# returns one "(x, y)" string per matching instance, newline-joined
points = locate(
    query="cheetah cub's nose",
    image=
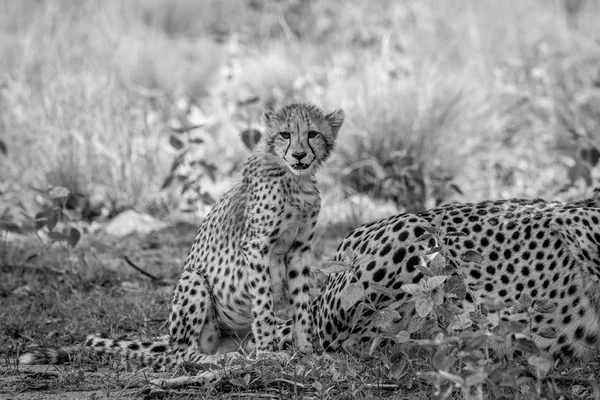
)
(299, 156)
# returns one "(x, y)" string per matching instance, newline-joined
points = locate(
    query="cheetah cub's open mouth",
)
(300, 166)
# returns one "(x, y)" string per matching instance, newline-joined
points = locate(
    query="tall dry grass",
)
(499, 97)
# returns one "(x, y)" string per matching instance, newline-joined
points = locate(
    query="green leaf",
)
(438, 263)
(526, 345)
(437, 222)
(478, 318)
(318, 386)
(167, 182)
(72, 215)
(52, 218)
(455, 285)
(58, 236)
(471, 357)
(74, 236)
(441, 360)
(352, 294)
(424, 237)
(250, 138)
(176, 143)
(456, 233)
(412, 288)
(433, 250)
(542, 363)
(40, 220)
(383, 318)
(548, 333)
(453, 378)
(515, 327)
(494, 304)
(376, 342)
(415, 324)
(435, 281)
(398, 369)
(476, 379)
(545, 306)
(461, 322)
(430, 229)
(9, 226)
(402, 337)
(425, 270)
(423, 306)
(58, 192)
(335, 267)
(437, 296)
(375, 287)
(475, 343)
(471, 256)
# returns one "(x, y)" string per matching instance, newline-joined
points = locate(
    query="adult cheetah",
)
(250, 254)
(549, 251)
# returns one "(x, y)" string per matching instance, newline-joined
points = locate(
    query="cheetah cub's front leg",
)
(259, 287)
(298, 278)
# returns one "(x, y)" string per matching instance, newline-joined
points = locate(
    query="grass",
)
(459, 101)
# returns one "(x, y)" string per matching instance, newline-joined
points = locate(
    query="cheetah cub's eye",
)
(313, 134)
(285, 135)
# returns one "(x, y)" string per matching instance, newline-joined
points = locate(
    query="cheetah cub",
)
(250, 254)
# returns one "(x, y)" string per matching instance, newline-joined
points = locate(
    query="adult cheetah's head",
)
(301, 136)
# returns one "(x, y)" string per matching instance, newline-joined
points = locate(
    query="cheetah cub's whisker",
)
(250, 254)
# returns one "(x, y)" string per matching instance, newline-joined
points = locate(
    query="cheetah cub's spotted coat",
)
(250, 253)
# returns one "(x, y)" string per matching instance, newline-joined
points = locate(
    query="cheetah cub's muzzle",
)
(302, 137)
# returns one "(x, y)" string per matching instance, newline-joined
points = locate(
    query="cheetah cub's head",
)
(301, 136)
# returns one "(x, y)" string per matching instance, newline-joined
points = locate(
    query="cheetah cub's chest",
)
(298, 214)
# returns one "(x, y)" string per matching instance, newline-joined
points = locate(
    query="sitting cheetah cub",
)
(251, 252)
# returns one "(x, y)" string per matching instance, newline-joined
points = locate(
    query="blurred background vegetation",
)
(142, 104)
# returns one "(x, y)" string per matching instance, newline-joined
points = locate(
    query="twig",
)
(384, 386)
(291, 383)
(569, 379)
(249, 395)
(200, 379)
(141, 271)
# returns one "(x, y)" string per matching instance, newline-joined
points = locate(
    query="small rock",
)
(131, 221)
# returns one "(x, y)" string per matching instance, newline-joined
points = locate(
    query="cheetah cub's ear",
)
(335, 120)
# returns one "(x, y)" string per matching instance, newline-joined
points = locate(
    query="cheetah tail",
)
(49, 355)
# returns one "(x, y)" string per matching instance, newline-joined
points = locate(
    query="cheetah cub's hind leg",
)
(193, 327)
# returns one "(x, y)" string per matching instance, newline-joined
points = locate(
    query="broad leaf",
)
(383, 318)
(471, 256)
(526, 345)
(412, 288)
(548, 333)
(335, 267)
(74, 236)
(545, 306)
(352, 294)
(58, 192)
(376, 342)
(398, 369)
(176, 143)
(423, 306)
(542, 363)
(415, 324)
(435, 281)
(402, 337)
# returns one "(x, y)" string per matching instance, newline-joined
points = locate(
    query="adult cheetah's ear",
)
(335, 120)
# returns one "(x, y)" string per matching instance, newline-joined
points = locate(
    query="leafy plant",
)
(57, 218)
(187, 169)
(462, 353)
